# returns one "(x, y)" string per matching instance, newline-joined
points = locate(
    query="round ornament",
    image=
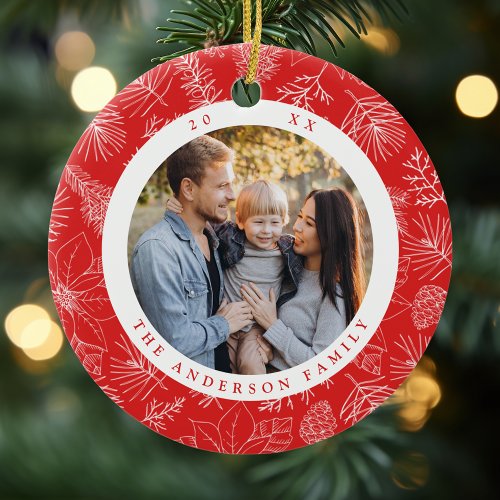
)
(133, 362)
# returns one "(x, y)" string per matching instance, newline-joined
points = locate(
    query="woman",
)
(330, 289)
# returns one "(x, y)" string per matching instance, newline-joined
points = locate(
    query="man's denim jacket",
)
(169, 276)
(232, 249)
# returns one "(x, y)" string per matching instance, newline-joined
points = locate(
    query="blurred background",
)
(61, 437)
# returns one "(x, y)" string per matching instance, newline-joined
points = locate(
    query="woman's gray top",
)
(307, 324)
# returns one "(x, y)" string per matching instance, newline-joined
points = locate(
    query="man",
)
(176, 271)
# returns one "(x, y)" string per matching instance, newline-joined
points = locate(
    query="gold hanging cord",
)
(247, 36)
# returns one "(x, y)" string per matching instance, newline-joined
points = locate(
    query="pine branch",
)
(285, 23)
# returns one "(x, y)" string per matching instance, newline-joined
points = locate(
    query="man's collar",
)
(181, 229)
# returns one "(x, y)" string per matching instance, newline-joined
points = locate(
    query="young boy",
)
(254, 250)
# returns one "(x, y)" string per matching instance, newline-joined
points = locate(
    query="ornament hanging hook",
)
(247, 36)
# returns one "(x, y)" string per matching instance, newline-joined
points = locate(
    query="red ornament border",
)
(103, 152)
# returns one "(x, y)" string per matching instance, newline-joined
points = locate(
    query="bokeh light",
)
(35, 333)
(50, 347)
(410, 471)
(74, 50)
(418, 396)
(476, 96)
(92, 88)
(18, 325)
(383, 40)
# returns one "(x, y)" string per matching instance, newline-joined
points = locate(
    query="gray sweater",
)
(307, 324)
(262, 267)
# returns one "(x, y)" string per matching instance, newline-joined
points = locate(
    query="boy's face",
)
(262, 231)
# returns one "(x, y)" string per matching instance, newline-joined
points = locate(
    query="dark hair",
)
(338, 226)
(192, 159)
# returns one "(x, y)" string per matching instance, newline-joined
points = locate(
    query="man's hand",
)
(174, 205)
(237, 314)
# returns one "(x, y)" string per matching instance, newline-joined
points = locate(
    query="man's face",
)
(212, 197)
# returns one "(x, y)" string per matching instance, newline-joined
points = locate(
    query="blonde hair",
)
(262, 198)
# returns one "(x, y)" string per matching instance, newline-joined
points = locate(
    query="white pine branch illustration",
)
(423, 179)
(127, 162)
(374, 125)
(431, 248)
(199, 83)
(110, 391)
(152, 126)
(343, 74)
(399, 200)
(215, 50)
(136, 374)
(363, 399)
(59, 217)
(94, 196)
(144, 92)
(305, 395)
(401, 368)
(205, 399)
(268, 61)
(275, 405)
(327, 383)
(104, 135)
(157, 412)
(304, 89)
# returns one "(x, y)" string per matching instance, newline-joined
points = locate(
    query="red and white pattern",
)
(318, 423)
(105, 349)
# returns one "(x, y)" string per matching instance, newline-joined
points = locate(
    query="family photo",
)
(250, 250)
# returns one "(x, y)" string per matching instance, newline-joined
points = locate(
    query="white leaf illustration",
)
(374, 125)
(136, 374)
(304, 90)
(205, 399)
(400, 201)
(198, 81)
(430, 247)
(345, 74)
(105, 135)
(144, 92)
(411, 353)
(60, 215)
(152, 126)
(157, 412)
(363, 399)
(269, 57)
(274, 405)
(94, 196)
(423, 179)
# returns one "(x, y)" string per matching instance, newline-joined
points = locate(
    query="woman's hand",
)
(174, 205)
(263, 308)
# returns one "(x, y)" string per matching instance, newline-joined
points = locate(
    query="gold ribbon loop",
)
(247, 36)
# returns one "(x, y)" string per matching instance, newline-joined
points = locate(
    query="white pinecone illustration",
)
(318, 423)
(427, 306)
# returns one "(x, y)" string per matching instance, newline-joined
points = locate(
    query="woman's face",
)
(306, 236)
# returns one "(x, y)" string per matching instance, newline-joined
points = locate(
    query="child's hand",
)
(263, 308)
(174, 205)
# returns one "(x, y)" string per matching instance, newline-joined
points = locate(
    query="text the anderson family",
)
(198, 379)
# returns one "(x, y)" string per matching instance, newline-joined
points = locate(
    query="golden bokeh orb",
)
(92, 88)
(476, 96)
(74, 50)
(27, 324)
(49, 348)
(383, 40)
